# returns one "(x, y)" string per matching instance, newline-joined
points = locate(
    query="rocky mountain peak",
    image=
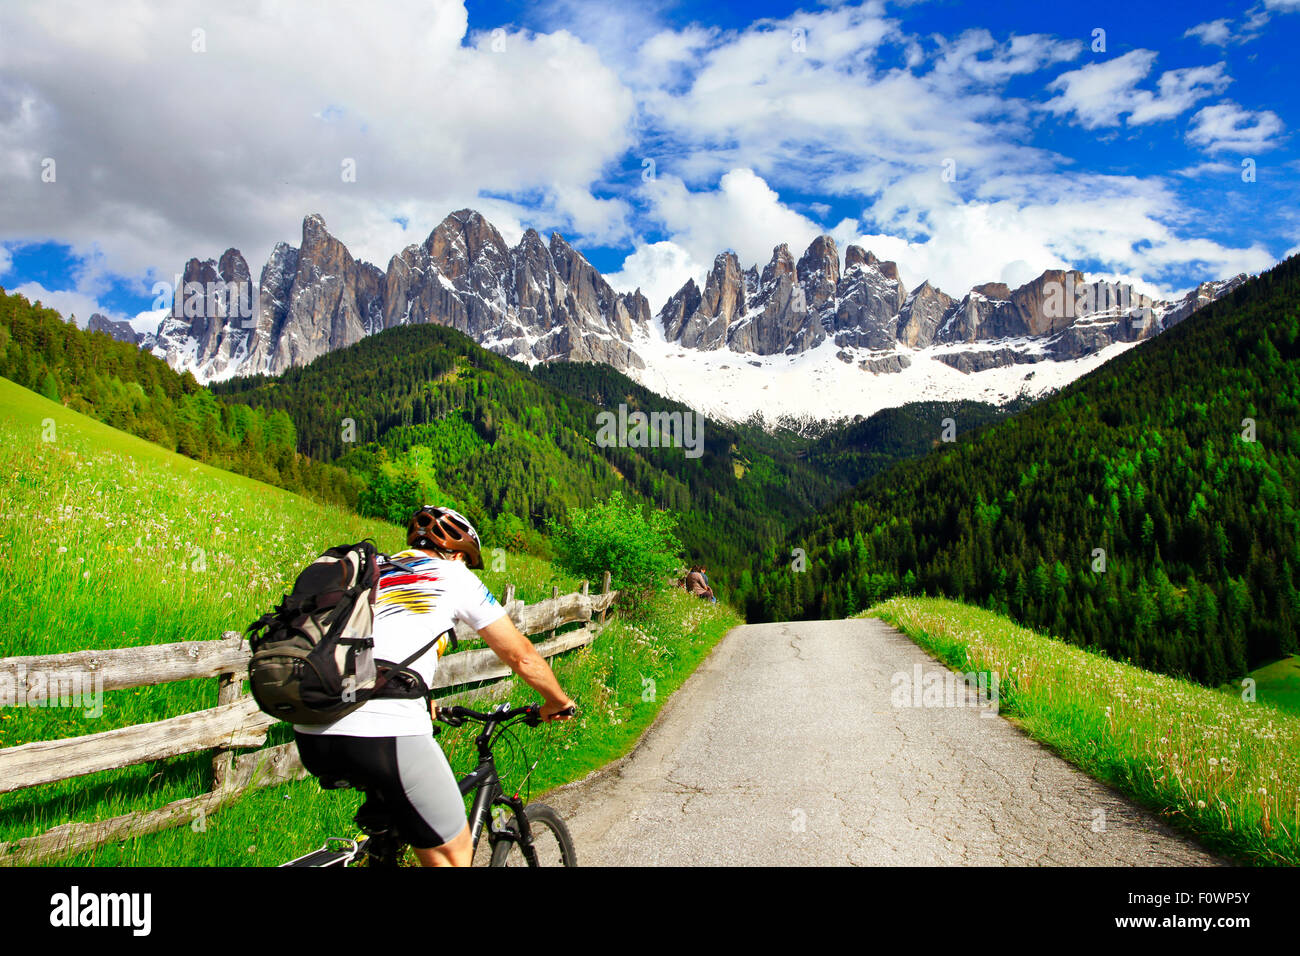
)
(820, 258)
(121, 331)
(886, 267)
(995, 290)
(569, 262)
(781, 264)
(463, 239)
(542, 300)
(314, 231)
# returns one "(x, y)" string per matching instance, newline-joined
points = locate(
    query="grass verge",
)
(1224, 770)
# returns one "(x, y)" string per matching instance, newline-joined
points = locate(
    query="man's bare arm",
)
(519, 654)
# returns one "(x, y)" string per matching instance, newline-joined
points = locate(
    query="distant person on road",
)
(704, 573)
(698, 584)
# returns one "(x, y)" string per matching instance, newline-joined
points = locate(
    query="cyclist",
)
(386, 746)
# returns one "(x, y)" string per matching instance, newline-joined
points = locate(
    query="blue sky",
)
(969, 142)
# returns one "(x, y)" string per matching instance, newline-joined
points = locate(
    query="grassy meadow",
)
(110, 541)
(1277, 683)
(1221, 768)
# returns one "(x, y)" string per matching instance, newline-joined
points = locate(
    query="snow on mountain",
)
(805, 337)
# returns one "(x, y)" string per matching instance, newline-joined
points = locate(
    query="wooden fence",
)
(234, 724)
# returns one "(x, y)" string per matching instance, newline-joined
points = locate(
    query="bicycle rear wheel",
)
(551, 840)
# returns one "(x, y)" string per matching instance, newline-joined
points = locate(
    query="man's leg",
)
(458, 851)
(432, 804)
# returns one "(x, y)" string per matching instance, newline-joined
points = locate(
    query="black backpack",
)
(313, 656)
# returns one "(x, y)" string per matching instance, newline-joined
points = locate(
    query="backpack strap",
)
(402, 666)
(397, 564)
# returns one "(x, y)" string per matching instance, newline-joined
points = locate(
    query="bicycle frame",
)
(490, 793)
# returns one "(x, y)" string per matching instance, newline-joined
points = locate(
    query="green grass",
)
(1222, 769)
(110, 541)
(1277, 683)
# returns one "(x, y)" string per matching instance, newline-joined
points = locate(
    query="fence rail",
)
(235, 723)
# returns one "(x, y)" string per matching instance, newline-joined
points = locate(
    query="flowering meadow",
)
(1218, 766)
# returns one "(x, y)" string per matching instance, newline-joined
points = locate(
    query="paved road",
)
(784, 749)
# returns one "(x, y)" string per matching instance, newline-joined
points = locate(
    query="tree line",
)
(1148, 510)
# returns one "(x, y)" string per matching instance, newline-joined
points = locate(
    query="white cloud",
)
(1098, 93)
(67, 302)
(1206, 168)
(1019, 227)
(1017, 273)
(601, 221)
(745, 114)
(1019, 55)
(1228, 127)
(149, 321)
(1224, 31)
(1177, 92)
(747, 127)
(658, 269)
(196, 151)
(6, 260)
(1212, 33)
(743, 213)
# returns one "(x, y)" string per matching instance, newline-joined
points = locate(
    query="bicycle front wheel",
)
(551, 840)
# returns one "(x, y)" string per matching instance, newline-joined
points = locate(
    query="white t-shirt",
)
(410, 610)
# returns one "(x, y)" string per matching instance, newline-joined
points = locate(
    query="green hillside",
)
(1277, 683)
(113, 541)
(120, 385)
(1149, 509)
(433, 415)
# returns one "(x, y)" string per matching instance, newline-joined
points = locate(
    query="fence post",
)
(555, 594)
(604, 589)
(230, 687)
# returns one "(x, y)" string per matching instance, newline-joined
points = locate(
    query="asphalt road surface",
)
(785, 748)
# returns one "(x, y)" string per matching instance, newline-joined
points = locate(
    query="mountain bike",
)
(519, 833)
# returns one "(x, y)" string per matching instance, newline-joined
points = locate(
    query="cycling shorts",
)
(408, 776)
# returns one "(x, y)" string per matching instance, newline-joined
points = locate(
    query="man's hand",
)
(552, 711)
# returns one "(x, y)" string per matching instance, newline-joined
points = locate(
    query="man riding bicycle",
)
(386, 746)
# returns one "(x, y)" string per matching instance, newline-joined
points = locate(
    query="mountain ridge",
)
(540, 301)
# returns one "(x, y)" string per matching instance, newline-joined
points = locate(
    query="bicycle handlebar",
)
(531, 713)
